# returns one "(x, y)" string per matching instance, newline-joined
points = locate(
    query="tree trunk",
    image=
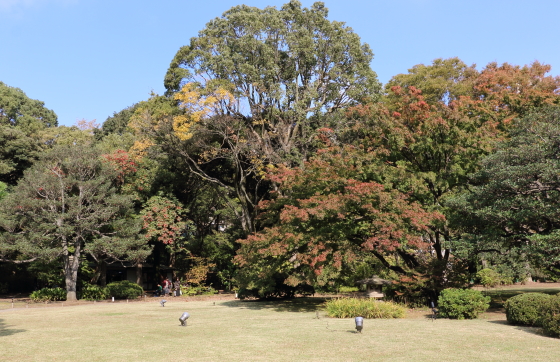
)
(71, 265)
(103, 273)
(139, 275)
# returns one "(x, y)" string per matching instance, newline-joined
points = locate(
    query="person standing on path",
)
(166, 286)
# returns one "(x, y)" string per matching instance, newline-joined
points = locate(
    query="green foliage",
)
(526, 309)
(18, 151)
(48, 294)
(124, 290)
(462, 303)
(16, 109)
(198, 290)
(93, 292)
(67, 204)
(48, 273)
(3, 190)
(513, 202)
(118, 122)
(367, 308)
(551, 317)
(293, 58)
(444, 80)
(489, 277)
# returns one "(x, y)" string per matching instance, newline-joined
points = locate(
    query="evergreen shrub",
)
(526, 309)
(124, 290)
(48, 294)
(551, 316)
(367, 308)
(462, 303)
(93, 292)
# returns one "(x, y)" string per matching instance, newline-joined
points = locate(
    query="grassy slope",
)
(253, 331)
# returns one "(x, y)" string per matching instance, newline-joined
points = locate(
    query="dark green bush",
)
(526, 309)
(367, 308)
(93, 292)
(48, 294)
(124, 290)
(551, 316)
(462, 303)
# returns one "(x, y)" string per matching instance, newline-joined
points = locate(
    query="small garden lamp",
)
(359, 324)
(184, 318)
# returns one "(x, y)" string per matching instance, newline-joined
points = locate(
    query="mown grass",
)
(254, 331)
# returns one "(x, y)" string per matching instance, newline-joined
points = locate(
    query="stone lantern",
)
(374, 286)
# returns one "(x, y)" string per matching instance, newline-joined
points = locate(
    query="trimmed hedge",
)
(526, 309)
(48, 294)
(367, 308)
(551, 317)
(124, 290)
(462, 303)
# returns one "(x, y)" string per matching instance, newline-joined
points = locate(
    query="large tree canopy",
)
(513, 201)
(66, 204)
(21, 121)
(17, 109)
(283, 66)
(327, 215)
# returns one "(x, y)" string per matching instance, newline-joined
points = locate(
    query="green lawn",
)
(254, 331)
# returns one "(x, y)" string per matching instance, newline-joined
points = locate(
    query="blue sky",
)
(89, 58)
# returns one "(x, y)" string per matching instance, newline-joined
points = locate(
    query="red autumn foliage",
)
(122, 163)
(324, 214)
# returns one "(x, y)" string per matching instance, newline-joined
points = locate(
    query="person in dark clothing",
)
(158, 290)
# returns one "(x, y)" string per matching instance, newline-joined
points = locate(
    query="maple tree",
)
(323, 217)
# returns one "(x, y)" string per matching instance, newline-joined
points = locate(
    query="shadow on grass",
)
(6, 331)
(303, 304)
(528, 329)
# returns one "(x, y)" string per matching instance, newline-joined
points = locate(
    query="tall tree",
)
(21, 122)
(67, 204)
(512, 203)
(324, 217)
(435, 139)
(17, 109)
(287, 69)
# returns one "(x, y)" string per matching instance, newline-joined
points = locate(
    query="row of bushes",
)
(119, 290)
(452, 303)
(535, 309)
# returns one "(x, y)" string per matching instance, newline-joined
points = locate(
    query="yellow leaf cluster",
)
(138, 149)
(198, 106)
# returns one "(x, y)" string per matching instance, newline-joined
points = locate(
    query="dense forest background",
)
(276, 163)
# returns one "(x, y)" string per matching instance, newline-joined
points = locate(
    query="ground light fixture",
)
(183, 319)
(163, 301)
(359, 323)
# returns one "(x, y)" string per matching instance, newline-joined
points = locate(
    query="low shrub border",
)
(367, 308)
